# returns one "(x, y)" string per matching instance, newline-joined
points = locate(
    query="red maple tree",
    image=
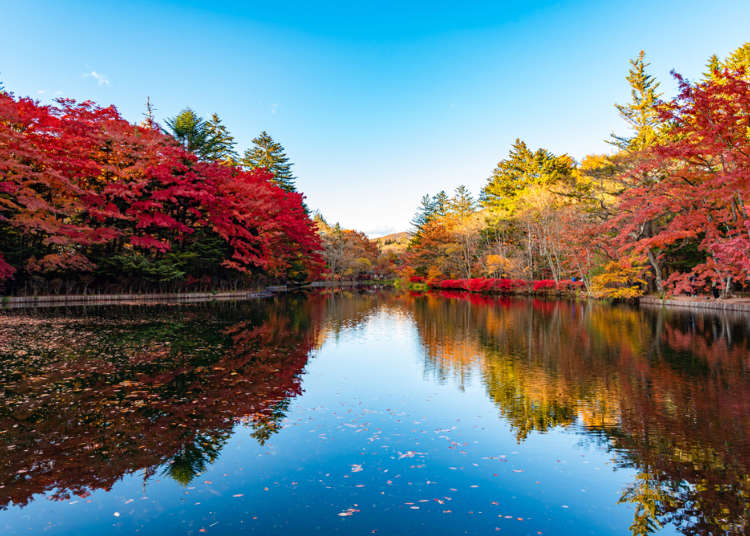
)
(697, 183)
(78, 182)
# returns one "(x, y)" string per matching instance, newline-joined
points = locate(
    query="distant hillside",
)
(395, 242)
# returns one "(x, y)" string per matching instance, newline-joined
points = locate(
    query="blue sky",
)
(377, 103)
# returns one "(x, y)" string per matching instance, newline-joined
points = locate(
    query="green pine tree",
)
(208, 140)
(189, 129)
(220, 146)
(270, 155)
(424, 214)
(641, 113)
(440, 203)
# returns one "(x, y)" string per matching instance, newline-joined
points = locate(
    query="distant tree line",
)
(351, 255)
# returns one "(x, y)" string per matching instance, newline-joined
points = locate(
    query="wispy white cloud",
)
(274, 107)
(101, 79)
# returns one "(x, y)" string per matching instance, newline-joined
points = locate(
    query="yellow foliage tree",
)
(435, 273)
(620, 280)
(499, 265)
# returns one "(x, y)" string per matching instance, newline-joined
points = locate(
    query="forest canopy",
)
(665, 212)
(88, 199)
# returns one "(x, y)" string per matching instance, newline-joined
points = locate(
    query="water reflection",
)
(91, 395)
(668, 393)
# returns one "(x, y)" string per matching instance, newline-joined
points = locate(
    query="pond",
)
(374, 413)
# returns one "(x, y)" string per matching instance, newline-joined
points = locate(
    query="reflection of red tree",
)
(544, 306)
(478, 299)
(77, 424)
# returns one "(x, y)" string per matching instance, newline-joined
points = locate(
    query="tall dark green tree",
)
(220, 146)
(269, 154)
(429, 208)
(440, 203)
(424, 214)
(208, 140)
(189, 129)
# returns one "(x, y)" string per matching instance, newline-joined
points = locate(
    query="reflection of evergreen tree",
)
(267, 425)
(192, 458)
(649, 499)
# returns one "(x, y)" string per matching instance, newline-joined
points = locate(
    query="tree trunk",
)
(726, 291)
(657, 271)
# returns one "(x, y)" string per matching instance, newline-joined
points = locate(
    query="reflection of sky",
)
(425, 448)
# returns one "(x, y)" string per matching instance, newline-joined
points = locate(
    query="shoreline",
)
(21, 302)
(732, 304)
(697, 303)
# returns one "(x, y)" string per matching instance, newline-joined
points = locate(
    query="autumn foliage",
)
(87, 196)
(665, 214)
(143, 395)
(547, 364)
(694, 187)
(504, 285)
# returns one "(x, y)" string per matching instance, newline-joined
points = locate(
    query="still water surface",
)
(374, 413)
